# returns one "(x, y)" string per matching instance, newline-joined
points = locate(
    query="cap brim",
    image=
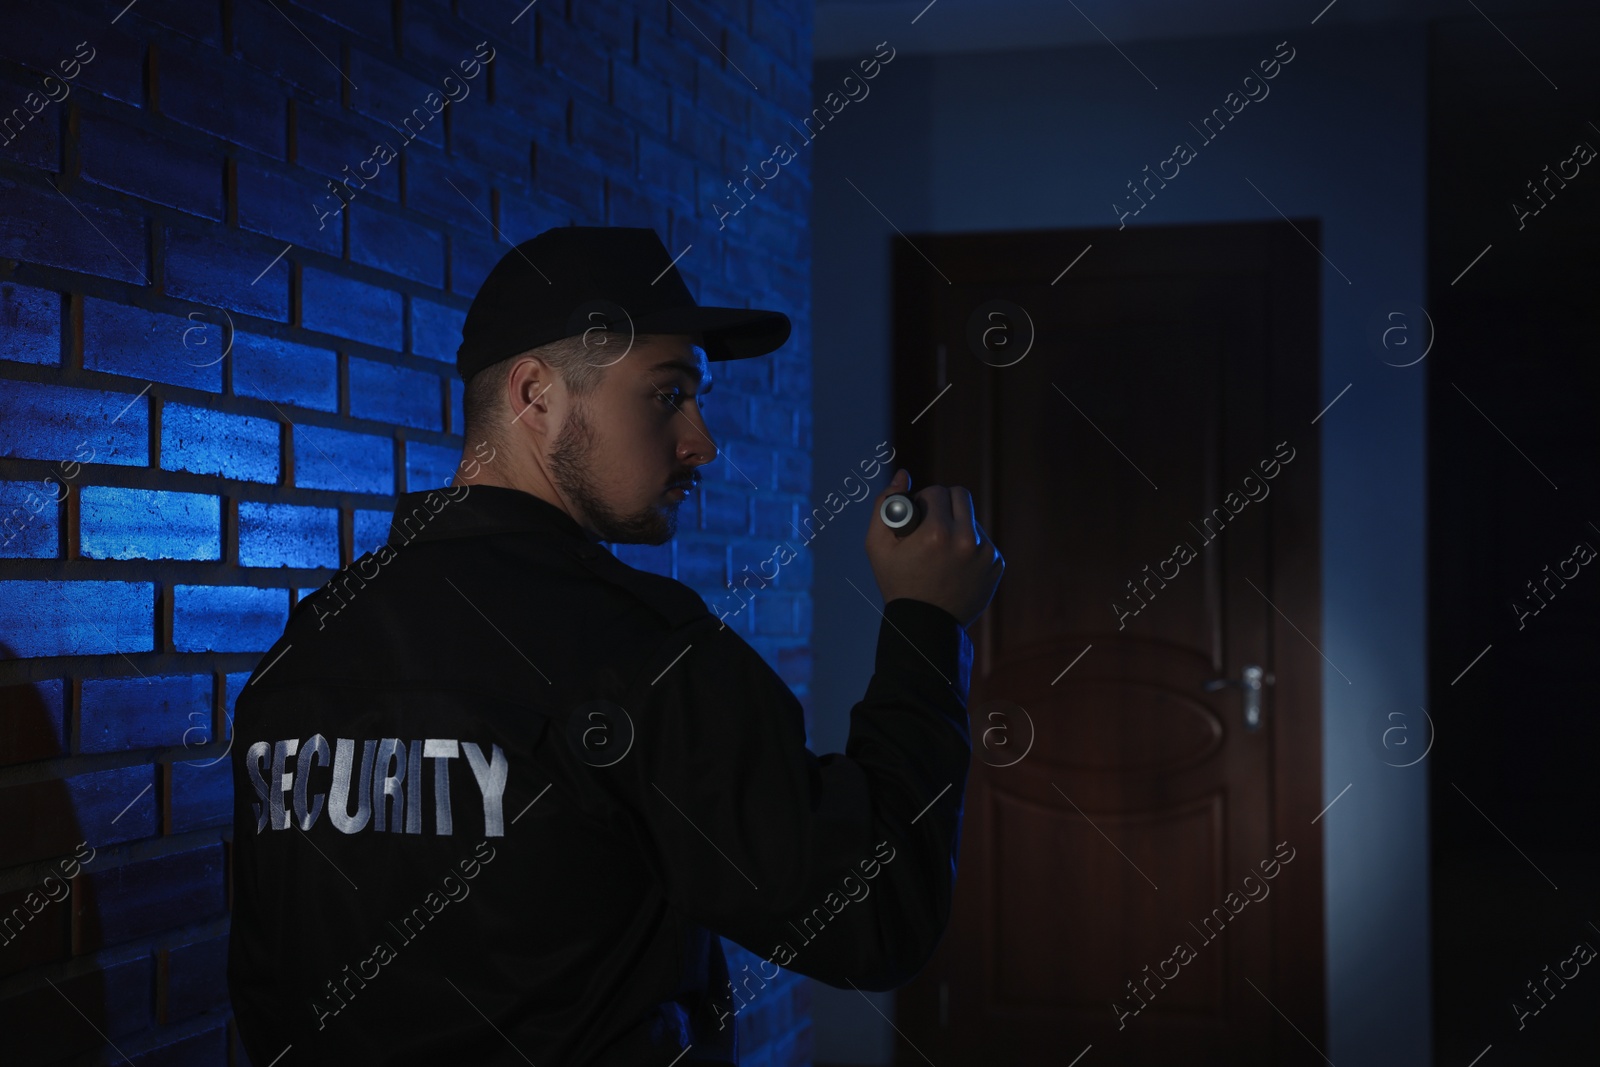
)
(726, 333)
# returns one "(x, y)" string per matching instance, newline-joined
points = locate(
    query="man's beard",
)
(571, 464)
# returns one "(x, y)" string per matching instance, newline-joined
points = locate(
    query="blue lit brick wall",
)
(227, 333)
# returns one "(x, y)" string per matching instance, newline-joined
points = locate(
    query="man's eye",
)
(674, 397)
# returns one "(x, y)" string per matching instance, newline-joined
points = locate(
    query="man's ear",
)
(529, 383)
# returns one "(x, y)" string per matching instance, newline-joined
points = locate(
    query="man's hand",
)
(947, 560)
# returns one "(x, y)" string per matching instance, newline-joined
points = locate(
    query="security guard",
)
(497, 793)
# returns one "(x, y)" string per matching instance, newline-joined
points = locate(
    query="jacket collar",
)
(476, 510)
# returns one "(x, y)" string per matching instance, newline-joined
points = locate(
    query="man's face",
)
(622, 447)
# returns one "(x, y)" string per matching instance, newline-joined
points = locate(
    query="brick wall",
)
(227, 327)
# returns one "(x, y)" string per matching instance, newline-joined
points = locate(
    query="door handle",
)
(1251, 679)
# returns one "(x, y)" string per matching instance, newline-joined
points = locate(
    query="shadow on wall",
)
(44, 880)
(89, 876)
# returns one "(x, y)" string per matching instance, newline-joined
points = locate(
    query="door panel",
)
(1116, 805)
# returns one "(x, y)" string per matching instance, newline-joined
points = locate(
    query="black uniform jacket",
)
(496, 793)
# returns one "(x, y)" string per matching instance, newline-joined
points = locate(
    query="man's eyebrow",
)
(689, 370)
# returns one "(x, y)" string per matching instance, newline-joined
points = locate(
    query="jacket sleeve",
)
(839, 867)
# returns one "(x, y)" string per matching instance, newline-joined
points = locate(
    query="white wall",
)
(1047, 138)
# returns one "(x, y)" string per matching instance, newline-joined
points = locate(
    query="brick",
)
(102, 808)
(524, 215)
(116, 523)
(202, 1049)
(267, 41)
(495, 138)
(111, 65)
(722, 510)
(30, 138)
(368, 19)
(227, 618)
(215, 94)
(397, 395)
(287, 535)
(741, 460)
(395, 245)
(440, 46)
(234, 685)
(30, 324)
(792, 374)
(637, 94)
(698, 135)
(665, 58)
(288, 206)
(571, 55)
(571, 182)
(77, 618)
(118, 155)
(34, 714)
(196, 978)
(774, 519)
(271, 368)
(702, 564)
(609, 20)
(44, 1024)
(723, 96)
(792, 474)
(769, 29)
(458, 420)
(773, 421)
(344, 307)
(119, 904)
(746, 60)
(347, 462)
(781, 240)
(626, 207)
(202, 22)
(605, 133)
(436, 329)
(411, 108)
(471, 260)
(201, 794)
(201, 441)
(666, 170)
(514, 30)
(656, 559)
(40, 225)
(226, 272)
(126, 714)
(347, 150)
(149, 345)
(727, 13)
(791, 92)
(696, 27)
(756, 561)
(30, 519)
(436, 187)
(371, 529)
(535, 97)
(430, 466)
(73, 426)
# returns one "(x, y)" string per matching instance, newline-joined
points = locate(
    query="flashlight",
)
(900, 513)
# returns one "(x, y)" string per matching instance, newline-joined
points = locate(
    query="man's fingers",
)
(961, 513)
(937, 500)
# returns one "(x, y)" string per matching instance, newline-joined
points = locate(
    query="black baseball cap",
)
(574, 278)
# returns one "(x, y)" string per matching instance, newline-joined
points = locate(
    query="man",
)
(498, 793)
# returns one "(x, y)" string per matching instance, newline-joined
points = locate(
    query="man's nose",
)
(697, 444)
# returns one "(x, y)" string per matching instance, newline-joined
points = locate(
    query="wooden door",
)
(1137, 435)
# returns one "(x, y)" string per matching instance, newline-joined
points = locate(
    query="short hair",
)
(580, 360)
